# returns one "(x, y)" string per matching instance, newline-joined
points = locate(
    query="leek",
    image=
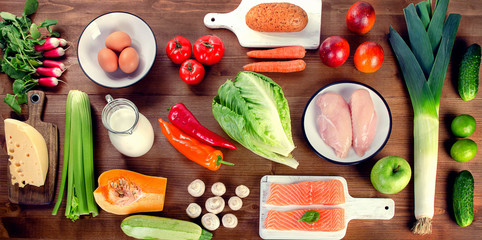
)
(424, 10)
(77, 170)
(425, 97)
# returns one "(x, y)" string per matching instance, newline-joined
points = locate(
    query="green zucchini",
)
(463, 198)
(469, 73)
(151, 227)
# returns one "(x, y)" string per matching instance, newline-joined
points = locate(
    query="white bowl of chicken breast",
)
(347, 122)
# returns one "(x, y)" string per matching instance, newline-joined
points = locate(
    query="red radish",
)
(56, 52)
(62, 42)
(51, 63)
(48, 81)
(50, 43)
(50, 72)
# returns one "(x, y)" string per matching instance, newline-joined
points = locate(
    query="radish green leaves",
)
(18, 36)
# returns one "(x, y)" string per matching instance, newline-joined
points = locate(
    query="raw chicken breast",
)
(364, 120)
(334, 123)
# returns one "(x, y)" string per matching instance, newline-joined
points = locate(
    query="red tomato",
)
(178, 49)
(191, 72)
(369, 57)
(208, 49)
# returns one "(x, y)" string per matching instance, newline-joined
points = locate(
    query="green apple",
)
(391, 174)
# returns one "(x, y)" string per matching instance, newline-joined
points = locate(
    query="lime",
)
(463, 150)
(463, 125)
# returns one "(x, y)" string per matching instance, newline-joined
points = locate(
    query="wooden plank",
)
(162, 88)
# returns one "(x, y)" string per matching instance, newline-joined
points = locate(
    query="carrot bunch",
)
(294, 52)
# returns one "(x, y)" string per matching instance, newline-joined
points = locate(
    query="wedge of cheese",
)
(27, 152)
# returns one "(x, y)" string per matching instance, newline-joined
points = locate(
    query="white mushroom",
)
(196, 188)
(218, 189)
(242, 191)
(230, 221)
(235, 203)
(210, 221)
(215, 205)
(193, 210)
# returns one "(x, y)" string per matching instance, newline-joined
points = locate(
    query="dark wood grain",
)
(162, 88)
(32, 195)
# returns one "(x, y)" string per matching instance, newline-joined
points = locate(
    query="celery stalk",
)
(71, 206)
(66, 157)
(78, 166)
(76, 147)
(88, 154)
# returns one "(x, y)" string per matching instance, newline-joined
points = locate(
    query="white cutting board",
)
(355, 208)
(309, 37)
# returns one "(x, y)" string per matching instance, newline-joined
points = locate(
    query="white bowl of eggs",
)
(116, 49)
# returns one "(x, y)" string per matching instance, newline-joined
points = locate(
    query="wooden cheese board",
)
(32, 195)
(309, 37)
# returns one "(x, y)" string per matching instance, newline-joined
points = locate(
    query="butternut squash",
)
(124, 192)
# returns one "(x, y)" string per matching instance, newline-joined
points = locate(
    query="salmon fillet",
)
(331, 220)
(307, 193)
(334, 123)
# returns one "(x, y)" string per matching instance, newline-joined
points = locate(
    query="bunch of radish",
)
(30, 53)
(51, 69)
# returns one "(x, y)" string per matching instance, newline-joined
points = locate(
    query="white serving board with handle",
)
(355, 208)
(309, 37)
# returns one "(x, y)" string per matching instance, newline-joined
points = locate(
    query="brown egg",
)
(107, 60)
(128, 60)
(117, 41)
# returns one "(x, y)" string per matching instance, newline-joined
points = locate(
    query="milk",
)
(132, 145)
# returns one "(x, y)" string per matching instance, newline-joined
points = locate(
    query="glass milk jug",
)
(129, 131)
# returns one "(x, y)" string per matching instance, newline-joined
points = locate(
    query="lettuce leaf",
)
(253, 111)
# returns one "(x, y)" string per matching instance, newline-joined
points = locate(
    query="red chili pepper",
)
(182, 118)
(193, 149)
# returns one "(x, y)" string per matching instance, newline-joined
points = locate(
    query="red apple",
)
(368, 57)
(334, 51)
(360, 17)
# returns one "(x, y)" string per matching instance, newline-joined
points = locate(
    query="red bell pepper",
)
(195, 150)
(183, 119)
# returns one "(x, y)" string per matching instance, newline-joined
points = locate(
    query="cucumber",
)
(151, 227)
(463, 198)
(469, 73)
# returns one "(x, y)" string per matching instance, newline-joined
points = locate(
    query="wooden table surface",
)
(162, 88)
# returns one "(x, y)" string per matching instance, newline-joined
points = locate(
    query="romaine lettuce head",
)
(253, 111)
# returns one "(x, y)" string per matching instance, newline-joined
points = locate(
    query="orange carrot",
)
(277, 66)
(279, 53)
